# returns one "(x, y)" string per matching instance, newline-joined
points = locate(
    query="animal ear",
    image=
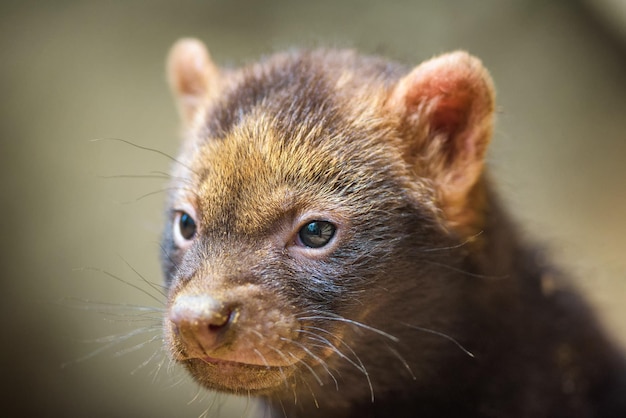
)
(446, 109)
(191, 75)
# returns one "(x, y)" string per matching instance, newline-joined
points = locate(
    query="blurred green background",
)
(72, 71)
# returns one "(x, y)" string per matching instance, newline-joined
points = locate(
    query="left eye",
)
(316, 234)
(185, 229)
(187, 226)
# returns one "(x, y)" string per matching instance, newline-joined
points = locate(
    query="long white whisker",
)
(319, 360)
(88, 304)
(145, 149)
(280, 401)
(157, 288)
(136, 176)
(111, 341)
(280, 369)
(404, 362)
(117, 338)
(137, 346)
(262, 357)
(113, 276)
(466, 273)
(155, 372)
(317, 405)
(308, 367)
(334, 317)
(454, 247)
(362, 366)
(327, 343)
(442, 335)
(199, 390)
(146, 362)
(246, 410)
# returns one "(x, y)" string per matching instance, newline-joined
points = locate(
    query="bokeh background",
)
(76, 212)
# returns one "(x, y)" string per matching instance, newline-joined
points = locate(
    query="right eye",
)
(185, 228)
(316, 234)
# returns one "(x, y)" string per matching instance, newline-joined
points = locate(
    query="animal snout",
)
(201, 321)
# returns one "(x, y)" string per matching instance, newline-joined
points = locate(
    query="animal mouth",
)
(212, 360)
(233, 363)
(234, 376)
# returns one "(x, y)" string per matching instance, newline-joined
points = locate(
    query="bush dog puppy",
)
(334, 246)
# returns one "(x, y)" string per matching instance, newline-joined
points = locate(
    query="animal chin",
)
(237, 377)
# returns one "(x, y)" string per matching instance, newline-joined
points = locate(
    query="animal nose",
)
(201, 321)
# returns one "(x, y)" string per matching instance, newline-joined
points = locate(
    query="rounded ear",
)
(446, 110)
(191, 75)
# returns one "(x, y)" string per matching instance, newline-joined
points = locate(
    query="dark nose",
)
(201, 322)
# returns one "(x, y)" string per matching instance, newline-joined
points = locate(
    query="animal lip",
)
(233, 376)
(222, 362)
(233, 363)
(212, 360)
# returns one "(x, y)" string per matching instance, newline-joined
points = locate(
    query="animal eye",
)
(187, 226)
(316, 234)
(184, 228)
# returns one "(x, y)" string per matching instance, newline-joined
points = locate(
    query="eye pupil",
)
(187, 226)
(316, 234)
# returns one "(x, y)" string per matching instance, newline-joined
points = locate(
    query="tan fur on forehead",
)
(257, 174)
(299, 115)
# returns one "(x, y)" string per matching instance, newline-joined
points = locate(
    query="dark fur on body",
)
(381, 323)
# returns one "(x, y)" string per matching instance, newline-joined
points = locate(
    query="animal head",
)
(308, 190)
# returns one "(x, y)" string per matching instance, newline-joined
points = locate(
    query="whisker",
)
(200, 390)
(155, 372)
(466, 273)
(108, 307)
(246, 410)
(362, 366)
(111, 341)
(280, 369)
(317, 405)
(319, 360)
(136, 318)
(154, 286)
(171, 366)
(454, 247)
(262, 357)
(154, 150)
(335, 317)
(205, 413)
(280, 401)
(404, 362)
(123, 337)
(137, 346)
(146, 362)
(308, 367)
(327, 343)
(257, 333)
(113, 276)
(146, 195)
(442, 335)
(136, 176)
(293, 389)
(169, 257)
(157, 175)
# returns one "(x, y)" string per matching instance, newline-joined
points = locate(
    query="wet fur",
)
(426, 307)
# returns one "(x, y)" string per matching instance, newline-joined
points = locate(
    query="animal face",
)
(300, 215)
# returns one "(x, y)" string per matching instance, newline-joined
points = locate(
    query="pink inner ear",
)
(450, 115)
(451, 100)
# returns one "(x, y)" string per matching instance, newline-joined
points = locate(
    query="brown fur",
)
(424, 303)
